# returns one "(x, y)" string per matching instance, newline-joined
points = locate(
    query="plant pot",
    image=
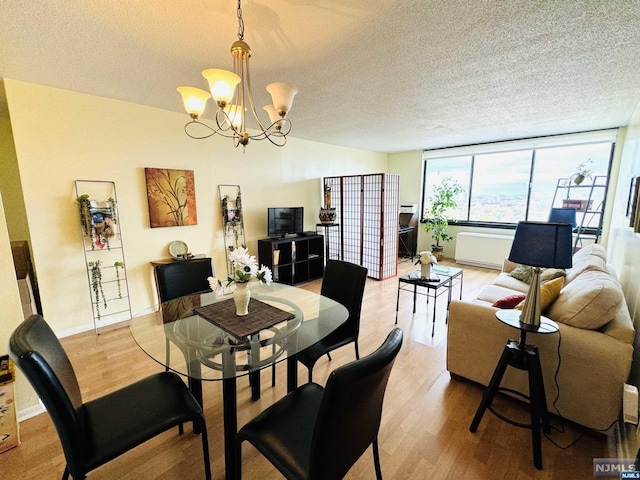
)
(327, 215)
(438, 252)
(578, 179)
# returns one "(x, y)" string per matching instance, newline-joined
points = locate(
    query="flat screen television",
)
(283, 221)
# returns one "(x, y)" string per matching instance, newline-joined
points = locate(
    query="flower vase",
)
(425, 270)
(241, 297)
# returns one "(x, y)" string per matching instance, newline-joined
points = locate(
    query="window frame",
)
(533, 144)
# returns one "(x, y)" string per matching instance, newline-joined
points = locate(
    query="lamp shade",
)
(563, 215)
(194, 99)
(282, 95)
(222, 84)
(542, 244)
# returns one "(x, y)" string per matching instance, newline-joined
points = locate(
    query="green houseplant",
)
(442, 199)
(582, 173)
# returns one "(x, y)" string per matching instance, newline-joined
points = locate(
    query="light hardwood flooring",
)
(425, 425)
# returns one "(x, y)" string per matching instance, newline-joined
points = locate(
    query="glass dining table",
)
(199, 336)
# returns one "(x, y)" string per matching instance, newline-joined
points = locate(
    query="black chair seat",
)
(317, 433)
(283, 433)
(343, 282)
(98, 431)
(167, 404)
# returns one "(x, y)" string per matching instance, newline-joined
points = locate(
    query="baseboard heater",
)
(482, 249)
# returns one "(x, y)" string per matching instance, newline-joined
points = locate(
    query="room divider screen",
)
(367, 211)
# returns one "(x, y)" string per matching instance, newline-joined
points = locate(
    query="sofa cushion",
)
(548, 293)
(591, 257)
(509, 301)
(508, 282)
(589, 301)
(492, 293)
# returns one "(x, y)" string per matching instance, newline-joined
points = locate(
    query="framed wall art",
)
(172, 197)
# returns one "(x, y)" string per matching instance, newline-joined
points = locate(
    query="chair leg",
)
(310, 374)
(65, 474)
(357, 350)
(376, 459)
(205, 448)
(328, 355)
(238, 460)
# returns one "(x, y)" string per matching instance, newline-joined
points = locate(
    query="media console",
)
(293, 260)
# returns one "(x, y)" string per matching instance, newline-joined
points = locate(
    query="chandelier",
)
(232, 93)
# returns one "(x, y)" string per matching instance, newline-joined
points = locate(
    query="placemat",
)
(261, 315)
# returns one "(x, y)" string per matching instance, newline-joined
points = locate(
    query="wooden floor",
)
(425, 426)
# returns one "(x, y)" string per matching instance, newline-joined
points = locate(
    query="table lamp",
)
(563, 215)
(540, 245)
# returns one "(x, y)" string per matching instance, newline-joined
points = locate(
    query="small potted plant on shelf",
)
(436, 223)
(582, 173)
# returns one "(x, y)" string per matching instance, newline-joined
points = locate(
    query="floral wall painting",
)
(172, 197)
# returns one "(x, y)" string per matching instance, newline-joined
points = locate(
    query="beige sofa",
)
(591, 354)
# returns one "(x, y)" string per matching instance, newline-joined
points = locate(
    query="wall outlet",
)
(630, 404)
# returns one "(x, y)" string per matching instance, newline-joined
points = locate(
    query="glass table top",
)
(177, 337)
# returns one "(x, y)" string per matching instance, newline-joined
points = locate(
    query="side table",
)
(525, 357)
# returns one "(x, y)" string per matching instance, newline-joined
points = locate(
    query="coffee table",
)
(447, 278)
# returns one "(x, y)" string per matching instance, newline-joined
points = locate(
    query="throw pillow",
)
(548, 274)
(548, 293)
(522, 273)
(589, 301)
(509, 302)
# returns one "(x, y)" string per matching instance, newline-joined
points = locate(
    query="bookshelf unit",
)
(293, 260)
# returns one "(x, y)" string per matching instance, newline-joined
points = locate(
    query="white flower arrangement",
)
(245, 269)
(427, 257)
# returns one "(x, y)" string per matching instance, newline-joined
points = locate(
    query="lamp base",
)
(531, 310)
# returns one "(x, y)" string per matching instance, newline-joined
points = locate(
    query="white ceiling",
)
(383, 75)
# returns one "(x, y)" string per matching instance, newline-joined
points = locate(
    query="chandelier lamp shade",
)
(231, 91)
(540, 245)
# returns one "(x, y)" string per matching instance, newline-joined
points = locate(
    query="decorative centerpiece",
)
(327, 214)
(426, 261)
(244, 270)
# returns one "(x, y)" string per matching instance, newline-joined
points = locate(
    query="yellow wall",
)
(10, 185)
(61, 136)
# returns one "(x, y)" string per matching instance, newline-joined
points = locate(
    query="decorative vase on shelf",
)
(241, 297)
(327, 215)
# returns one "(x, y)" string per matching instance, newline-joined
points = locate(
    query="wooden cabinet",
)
(293, 260)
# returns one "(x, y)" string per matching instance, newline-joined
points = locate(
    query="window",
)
(508, 182)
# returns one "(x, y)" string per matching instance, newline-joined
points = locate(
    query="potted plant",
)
(582, 173)
(442, 199)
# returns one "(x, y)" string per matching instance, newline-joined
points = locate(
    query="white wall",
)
(61, 136)
(624, 245)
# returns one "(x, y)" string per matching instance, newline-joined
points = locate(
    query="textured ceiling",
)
(381, 75)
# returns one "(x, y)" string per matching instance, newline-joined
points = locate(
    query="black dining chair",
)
(95, 432)
(180, 278)
(317, 433)
(343, 282)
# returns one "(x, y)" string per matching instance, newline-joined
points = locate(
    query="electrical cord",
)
(561, 429)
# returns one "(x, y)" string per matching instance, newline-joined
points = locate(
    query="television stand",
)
(293, 259)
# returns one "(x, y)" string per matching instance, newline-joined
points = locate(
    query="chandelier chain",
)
(240, 22)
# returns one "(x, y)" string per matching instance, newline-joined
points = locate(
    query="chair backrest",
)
(36, 350)
(180, 278)
(350, 414)
(344, 282)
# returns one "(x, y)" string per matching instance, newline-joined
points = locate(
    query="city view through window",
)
(512, 186)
